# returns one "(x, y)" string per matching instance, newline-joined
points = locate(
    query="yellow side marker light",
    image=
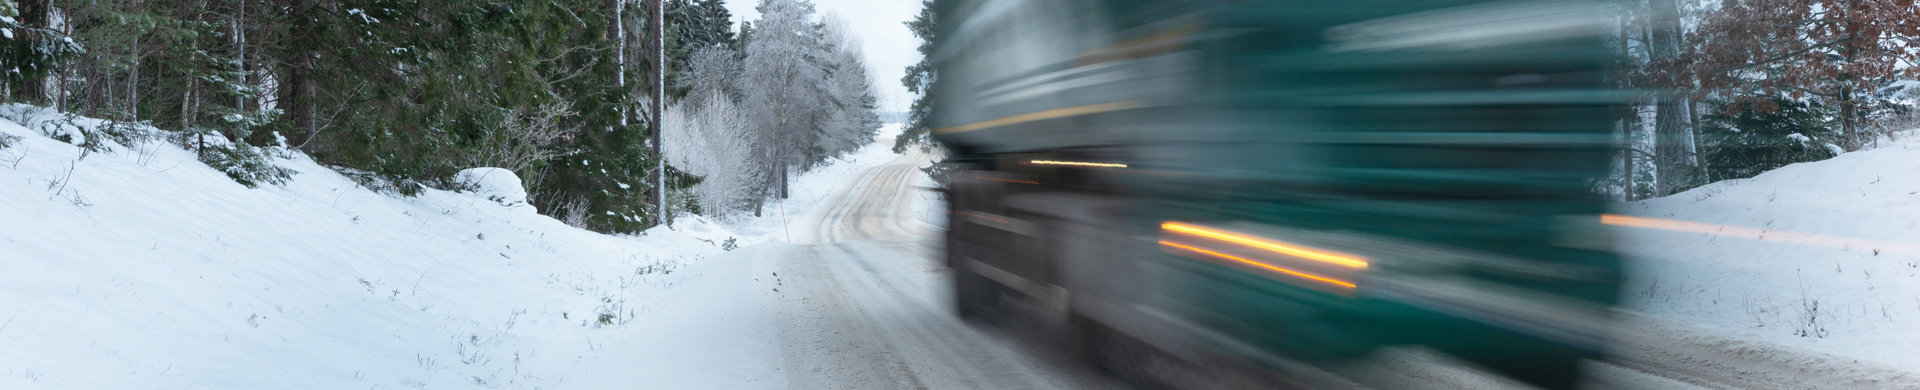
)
(1315, 254)
(1265, 266)
(1077, 164)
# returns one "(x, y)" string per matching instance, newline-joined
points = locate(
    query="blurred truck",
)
(1285, 181)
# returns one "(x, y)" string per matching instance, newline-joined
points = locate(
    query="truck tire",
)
(1545, 365)
(976, 297)
(1120, 356)
(1089, 339)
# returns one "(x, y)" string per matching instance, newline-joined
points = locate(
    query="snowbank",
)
(140, 267)
(496, 184)
(1821, 256)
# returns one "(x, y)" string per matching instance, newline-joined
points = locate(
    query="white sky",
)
(881, 25)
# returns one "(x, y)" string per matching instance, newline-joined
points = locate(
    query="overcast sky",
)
(881, 25)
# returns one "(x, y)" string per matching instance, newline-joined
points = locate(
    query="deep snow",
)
(1812, 265)
(142, 268)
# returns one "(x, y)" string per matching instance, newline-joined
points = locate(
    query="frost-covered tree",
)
(782, 78)
(716, 68)
(851, 114)
(710, 136)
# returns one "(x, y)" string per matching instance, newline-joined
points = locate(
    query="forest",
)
(402, 94)
(1728, 89)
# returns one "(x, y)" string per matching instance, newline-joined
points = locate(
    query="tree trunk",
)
(1626, 114)
(1849, 136)
(99, 89)
(60, 97)
(244, 103)
(1671, 158)
(1849, 132)
(66, 65)
(659, 98)
(1693, 144)
(133, 83)
(186, 118)
(33, 14)
(1670, 153)
(620, 55)
(240, 54)
(760, 198)
(1629, 125)
(299, 90)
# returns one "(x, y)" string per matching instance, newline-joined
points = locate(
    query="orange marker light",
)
(1315, 254)
(1265, 266)
(1077, 164)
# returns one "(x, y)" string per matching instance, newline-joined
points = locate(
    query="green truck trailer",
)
(1286, 181)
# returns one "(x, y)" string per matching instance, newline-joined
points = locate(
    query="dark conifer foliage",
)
(402, 93)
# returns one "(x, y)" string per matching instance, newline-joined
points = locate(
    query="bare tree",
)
(526, 136)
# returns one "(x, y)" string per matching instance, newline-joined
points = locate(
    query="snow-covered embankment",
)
(141, 267)
(1810, 271)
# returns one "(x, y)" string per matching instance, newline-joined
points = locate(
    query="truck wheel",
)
(1120, 356)
(1548, 366)
(977, 297)
(1089, 340)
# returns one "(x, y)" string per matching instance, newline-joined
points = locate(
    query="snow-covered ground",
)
(1814, 266)
(143, 268)
(140, 267)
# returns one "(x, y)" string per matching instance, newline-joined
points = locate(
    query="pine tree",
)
(715, 25)
(919, 80)
(32, 51)
(1743, 142)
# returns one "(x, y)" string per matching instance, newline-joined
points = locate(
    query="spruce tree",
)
(919, 80)
(1751, 140)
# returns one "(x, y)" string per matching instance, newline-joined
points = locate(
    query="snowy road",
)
(864, 304)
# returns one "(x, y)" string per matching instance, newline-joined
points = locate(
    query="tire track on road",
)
(868, 308)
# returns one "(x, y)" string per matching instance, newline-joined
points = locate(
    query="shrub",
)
(1745, 143)
(246, 164)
